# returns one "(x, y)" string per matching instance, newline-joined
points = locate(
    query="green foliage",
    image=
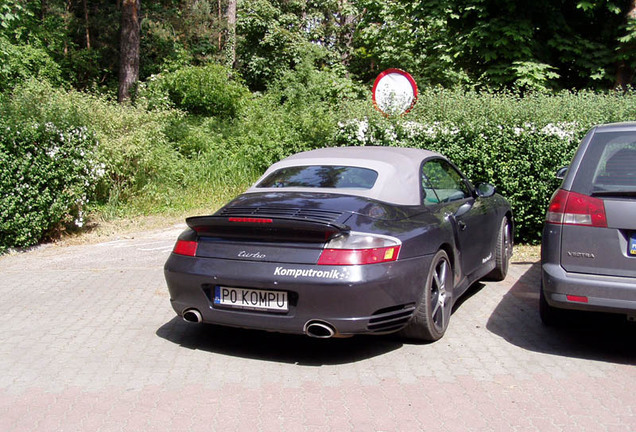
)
(22, 56)
(520, 161)
(307, 85)
(542, 44)
(271, 40)
(275, 36)
(203, 90)
(507, 44)
(132, 141)
(18, 63)
(159, 159)
(175, 34)
(267, 134)
(531, 75)
(49, 174)
(301, 112)
(515, 143)
(407, 35)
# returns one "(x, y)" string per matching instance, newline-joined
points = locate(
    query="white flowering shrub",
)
(48, 175)
(520, 160)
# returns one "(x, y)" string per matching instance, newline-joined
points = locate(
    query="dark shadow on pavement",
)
(593, 336)
(275, 347)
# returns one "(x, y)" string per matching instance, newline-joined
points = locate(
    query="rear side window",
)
(321, 176)
(609, 164)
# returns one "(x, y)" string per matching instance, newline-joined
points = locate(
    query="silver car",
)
(588, 254)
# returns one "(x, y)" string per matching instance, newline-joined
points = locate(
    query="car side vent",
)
(296, 213)
(390, 319)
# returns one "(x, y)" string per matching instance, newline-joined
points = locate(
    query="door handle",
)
(461, 225)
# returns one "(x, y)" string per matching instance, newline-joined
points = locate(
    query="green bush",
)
(161, 160)
(307, 86)
(202, 90)
(267, 133)
(133, 142)
(49, 174)
(19, 63)
(516, 144)
(519, 161)
(300, 112)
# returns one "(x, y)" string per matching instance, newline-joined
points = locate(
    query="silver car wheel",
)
(432, 315)
(438, 295)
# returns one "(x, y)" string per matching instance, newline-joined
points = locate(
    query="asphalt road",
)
(89, 342)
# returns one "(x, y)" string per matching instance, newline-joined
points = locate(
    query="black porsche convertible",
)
(342, 241)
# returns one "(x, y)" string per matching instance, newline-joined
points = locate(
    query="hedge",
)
(63, 153)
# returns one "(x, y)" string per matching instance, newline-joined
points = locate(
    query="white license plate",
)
(242, 298)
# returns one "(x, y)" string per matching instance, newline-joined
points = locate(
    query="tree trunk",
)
(220, 16)
(44, 9)
(347, 24)
(230, 47)
(86, 26)
(129, 49)
(67, 19)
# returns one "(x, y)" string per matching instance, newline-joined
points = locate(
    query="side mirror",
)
(561, 172)
(485, 190)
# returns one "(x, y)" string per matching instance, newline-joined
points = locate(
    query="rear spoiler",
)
(274, 229)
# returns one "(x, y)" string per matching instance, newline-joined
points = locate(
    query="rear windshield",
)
(321, 176)
(609, 164)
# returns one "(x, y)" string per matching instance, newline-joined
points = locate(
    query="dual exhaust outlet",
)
(313, 328)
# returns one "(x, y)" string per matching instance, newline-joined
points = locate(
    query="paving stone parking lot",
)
(89, 342)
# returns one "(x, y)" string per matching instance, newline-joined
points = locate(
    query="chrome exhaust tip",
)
(192, 315)
(319, 329)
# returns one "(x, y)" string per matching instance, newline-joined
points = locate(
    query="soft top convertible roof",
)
(398, 168)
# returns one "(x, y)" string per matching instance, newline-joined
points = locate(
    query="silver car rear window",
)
(321, 176)
(609, 163)
(617, 165)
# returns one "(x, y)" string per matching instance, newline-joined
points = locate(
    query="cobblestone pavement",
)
(89, 342)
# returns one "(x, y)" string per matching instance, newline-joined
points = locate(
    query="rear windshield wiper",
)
(619, 193)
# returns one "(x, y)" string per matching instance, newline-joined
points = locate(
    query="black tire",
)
(503, 252)
(430, 320)
(550, 316)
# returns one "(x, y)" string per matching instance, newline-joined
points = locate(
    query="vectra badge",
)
(253, 255)
(581, 255)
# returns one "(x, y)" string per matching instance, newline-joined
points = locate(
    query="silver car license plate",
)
(243, 298)
(632, 244)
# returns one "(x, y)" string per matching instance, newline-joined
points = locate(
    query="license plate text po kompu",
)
(243, 298)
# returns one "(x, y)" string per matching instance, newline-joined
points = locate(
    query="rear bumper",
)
(603, 293)
(377, 298)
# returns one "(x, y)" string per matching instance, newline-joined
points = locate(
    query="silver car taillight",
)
(571, 208)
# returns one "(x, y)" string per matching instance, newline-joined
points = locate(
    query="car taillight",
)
(360, 249)
(571, 208)
(187, 248)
